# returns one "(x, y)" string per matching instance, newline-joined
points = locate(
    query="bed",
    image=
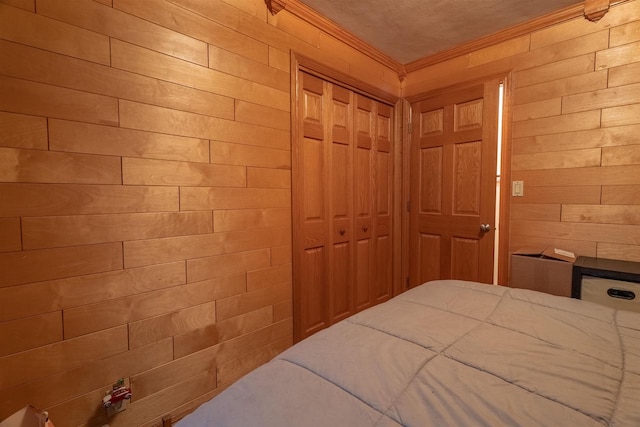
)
(449, 353)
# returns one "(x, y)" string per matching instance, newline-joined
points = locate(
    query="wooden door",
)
(453, 182)
(342, 204)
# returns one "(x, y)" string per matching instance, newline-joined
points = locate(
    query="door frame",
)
(299, 63)
(505, 175)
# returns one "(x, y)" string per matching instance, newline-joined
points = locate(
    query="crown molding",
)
(309, 15)
(595, 9)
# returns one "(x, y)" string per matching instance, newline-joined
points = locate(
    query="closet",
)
(342, 203)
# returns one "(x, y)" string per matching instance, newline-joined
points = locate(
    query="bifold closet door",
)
(341, 179)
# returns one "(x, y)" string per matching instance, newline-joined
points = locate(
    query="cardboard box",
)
(543, 269)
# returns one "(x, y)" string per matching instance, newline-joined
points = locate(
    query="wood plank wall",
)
(575, 128)
(145, 202)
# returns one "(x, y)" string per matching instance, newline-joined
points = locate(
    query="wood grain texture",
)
(621, 194)
(60, 294)
(281, 255)
(206, 198)
(556, 70)
(46, 264)
(49, 34)
(616, 56)
(45, 232)
(234, 370)
(560, 87)
(604, 98)
(557, 160)
(557, 124)
(21, 96)
(30, 365)
(268, 277)
(617, 251)
(624, 74)
(25, 334)
(62, 199)
(268, 178)
(554, 194)
(114, 23)
(18, 165)
(246, 219)
(153, 251)
(111, 141)
(163, 120)
(620, 116)
(10, 235)
(601, 214)
(45, 67)
(247, 112)
(163, 172)
(223, 265)
(21, 131)
(247, 155)
(252, 300)
(29, 5)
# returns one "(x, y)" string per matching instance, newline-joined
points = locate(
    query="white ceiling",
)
(407, 30)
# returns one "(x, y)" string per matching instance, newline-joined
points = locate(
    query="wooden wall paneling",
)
(122, 26)
(10, 235)
(87, 289)
(234, 348)
(239, 66)
(105, 314)
(46, 264)
(174, 122)
(556, 88)
(620, 116)
(607, 137)
(557, 124)
(249, 155)
(279, 59)
(152, 251)
(224, 330)
(281, 255)
(146, 331)
(64, 355)
(224, 265)
(268, 178)
(164, 172)
(551, 194)
(18, 165)
(617, 56)
(55, 389)
(29, 5)
(129, 57)
(35, 30)
(44, 232)
(20, 96)
(267, 277)
(621, 194)
(252, 300)
(247, 112)
(245, 219)
(589, 176)
(59, 199)
(581, 247)
(56, 69)
(557, 159)
(282, 311)
(537, 109)
(21, 131)
(624, 75)
(618, 251)
(539, 212)
(31, 332)
(604, 98)
(626, 155)
(601, 214)
(111, 141)
(609, 233)
(181, 20)
(207, 198)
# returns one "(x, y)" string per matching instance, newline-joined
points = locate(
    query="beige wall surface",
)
(145, 202)
(575, 128)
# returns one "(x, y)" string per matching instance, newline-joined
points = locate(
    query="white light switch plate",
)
(517, 188)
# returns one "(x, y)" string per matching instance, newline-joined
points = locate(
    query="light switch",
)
(517, 189)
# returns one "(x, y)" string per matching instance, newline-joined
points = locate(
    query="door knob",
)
(485, 227)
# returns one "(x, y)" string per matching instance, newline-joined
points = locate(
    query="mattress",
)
(449, 353)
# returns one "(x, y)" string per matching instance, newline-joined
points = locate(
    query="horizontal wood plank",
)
(111, 141)
(617, 251)
(29, 333)
(234, 370)
(557, 160)
(47, 264)
(225, 330)
(539, 212)
(153, 251)
(538, 109)
(247, 112)
(282, 311)
(255, 71)
(76, 291)
(49, 34)
(557, 124)
(626, 155)
(604, 98)
(250, 219)
(281, 255)
(557, 194)
(247, 155)
(31, 365)
(252, 300)
(617, 56)
(21, 131)
(268, 178)
(123, 26)
(555, 70)
(165, 172)
(46, 232)
(601, 214)
(18, 165)
(621, 194)
(59, 70)
(10, 235)
(206, 198)
(624, 74)
(154, 329)
(269, 277)
(560, 87)
(609, 233)
(74, 199)
(611, 175)
(223, 265)
(157, 119)
(21, 96)
(621, 116)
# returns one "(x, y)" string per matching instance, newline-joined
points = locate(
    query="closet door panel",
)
(341, 295)
(314, 292)
(363, 274)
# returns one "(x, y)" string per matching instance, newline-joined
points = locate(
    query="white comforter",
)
(449, 353)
